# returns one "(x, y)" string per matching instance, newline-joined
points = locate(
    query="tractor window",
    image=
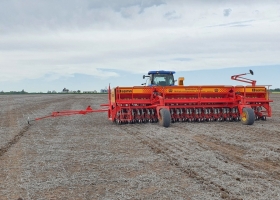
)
(163, 79)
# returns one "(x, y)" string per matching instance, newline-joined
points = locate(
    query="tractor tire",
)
(248, 116)
(164, 118)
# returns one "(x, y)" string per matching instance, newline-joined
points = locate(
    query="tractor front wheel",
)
(165, 117)
(248, 116)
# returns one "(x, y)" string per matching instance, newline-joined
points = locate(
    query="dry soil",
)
(89, 157)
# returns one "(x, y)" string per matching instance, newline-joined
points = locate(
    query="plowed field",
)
(89, 157)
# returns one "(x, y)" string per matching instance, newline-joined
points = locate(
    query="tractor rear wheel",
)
(165, 117)
(248, 116)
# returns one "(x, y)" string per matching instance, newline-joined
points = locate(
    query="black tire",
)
(248, 116)
(164, 118)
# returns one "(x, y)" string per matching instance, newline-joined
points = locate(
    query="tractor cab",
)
(160, 78)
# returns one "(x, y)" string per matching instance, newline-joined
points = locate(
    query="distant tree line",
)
(275, 90)
(14, 92)
(64, 91)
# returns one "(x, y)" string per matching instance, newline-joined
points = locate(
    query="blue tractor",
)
(160, 78)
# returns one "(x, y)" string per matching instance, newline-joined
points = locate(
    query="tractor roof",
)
(161, 72)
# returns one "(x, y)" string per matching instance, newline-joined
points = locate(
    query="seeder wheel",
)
(165, 117)
(248, 116)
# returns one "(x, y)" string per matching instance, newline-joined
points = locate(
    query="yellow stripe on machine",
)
(188, 89)
(251, 89)
(180, 90)
(138, 90)
(201, 89)
(214, 89)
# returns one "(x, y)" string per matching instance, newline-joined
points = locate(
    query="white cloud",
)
(61, 39)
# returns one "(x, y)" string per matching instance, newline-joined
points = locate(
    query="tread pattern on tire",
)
(250, 116)
(165, 117)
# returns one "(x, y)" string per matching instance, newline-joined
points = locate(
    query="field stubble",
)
(89, 157)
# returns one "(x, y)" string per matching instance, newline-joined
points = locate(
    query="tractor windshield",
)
(163, 79)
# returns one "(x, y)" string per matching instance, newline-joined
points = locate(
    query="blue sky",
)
(87, 44)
